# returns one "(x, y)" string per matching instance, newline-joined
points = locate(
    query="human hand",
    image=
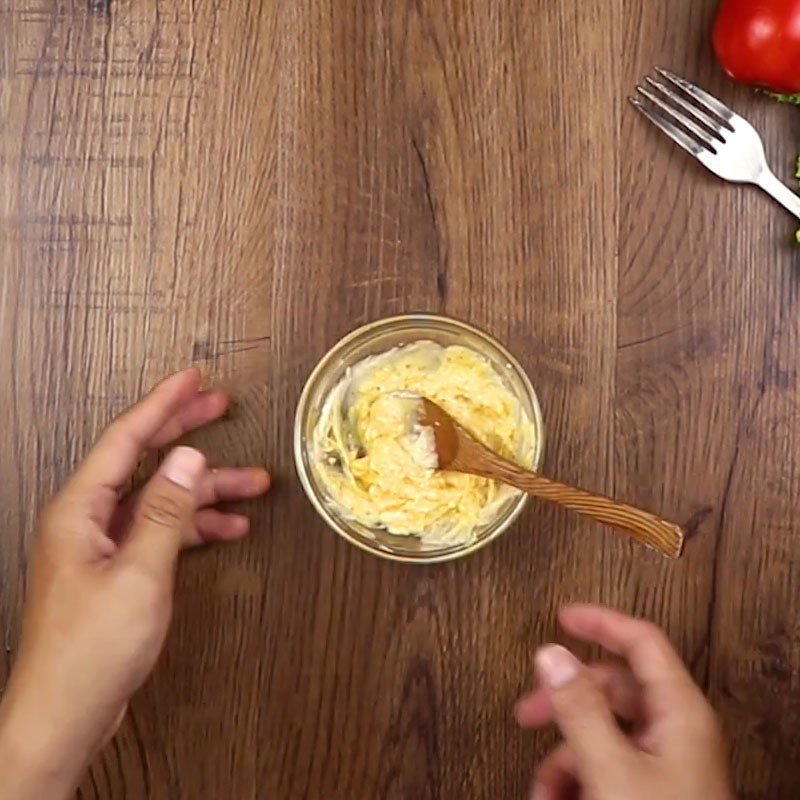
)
(100, 588)
(675, 749)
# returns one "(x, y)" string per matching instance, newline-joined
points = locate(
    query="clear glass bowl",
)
(378, 337)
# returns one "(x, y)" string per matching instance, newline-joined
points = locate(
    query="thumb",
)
(582, 713)
(164, 511)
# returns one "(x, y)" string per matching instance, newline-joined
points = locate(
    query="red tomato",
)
(758, 41)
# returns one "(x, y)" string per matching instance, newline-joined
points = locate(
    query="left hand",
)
(100, 590)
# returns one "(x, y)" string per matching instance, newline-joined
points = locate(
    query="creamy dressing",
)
(379, 469)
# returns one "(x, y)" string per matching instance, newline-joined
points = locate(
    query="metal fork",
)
(716, 136)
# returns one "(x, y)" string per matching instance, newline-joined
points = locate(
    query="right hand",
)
(675, 750)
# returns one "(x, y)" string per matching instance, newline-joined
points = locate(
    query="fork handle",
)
(780, 192)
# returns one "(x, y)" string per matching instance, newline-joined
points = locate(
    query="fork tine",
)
(674, 133)
(702, 97)
(671, 113)
(715, 128)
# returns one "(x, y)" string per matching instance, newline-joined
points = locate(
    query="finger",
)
(644, 646)
(232, 483)
(201, 409)
(114, 727)
(113, 459)
(621, 689)
(211, 525)
(164, 514)
(215, 486)
(581, 712)
(557, 775)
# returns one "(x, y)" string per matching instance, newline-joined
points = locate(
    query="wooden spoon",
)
(458, 451)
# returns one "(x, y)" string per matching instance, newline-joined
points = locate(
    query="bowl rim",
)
(302, 404)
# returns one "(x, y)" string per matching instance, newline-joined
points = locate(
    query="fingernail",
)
(556, 665)
(261, 479)
(241, 525)
(184, 466)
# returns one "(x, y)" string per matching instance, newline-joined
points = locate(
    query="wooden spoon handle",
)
(664, 536)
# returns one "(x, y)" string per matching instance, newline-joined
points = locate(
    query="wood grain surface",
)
(238, 183)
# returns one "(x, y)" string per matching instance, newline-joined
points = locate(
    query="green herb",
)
(794, 99)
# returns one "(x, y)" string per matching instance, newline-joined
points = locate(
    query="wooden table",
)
(240, 183)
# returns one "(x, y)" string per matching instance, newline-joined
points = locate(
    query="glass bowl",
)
(378, 337)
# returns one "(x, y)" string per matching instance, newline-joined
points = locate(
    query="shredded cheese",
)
(380, 471)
